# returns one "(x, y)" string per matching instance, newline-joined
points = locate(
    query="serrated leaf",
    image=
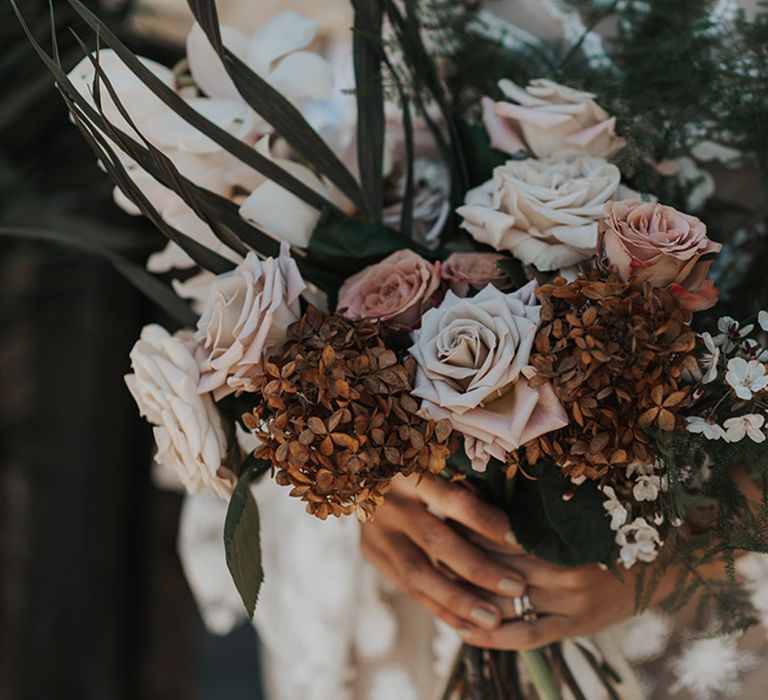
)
(242, 543)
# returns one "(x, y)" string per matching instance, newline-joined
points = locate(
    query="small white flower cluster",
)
(744, 360)
(638, 540)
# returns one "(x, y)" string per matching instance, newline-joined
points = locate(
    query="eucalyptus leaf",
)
(242, 542)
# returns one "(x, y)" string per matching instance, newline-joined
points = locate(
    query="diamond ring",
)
(524, 608)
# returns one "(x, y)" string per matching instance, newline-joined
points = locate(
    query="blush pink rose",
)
(465, 270)
(245, 320)
(658, 244)
(397, 289)
(547, 117)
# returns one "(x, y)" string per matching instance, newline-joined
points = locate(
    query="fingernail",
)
(511, 586)
(510, 539)
(484, 617)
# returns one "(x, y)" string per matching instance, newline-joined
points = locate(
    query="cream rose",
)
(472, 357)
(396, 289)
(245, 320)
(549, 117)
(658, 244)
(544, 212)
(188, 429)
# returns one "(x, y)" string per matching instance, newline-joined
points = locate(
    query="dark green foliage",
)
(481, 158)
(242, 536)
(341, 247)
(369, 55)
(725, 522)
(558, 522)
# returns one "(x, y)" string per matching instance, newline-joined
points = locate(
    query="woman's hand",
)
(569, 602)
(434, 564)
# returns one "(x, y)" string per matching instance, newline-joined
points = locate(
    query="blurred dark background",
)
(93, 602)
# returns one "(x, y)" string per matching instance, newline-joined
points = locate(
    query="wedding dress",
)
(331, 627)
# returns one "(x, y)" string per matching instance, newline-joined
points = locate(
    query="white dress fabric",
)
(332, 629)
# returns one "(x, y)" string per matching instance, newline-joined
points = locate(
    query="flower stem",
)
(547, 687)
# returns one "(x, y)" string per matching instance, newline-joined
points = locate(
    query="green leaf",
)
(481, 158)
(406, 216)
(567, 532)
(275, 108)
(242, 541)
(347, 246)
(514, 270)
(370, 102)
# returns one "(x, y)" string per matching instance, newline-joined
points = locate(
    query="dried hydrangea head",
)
(615, 353)
(337, 419)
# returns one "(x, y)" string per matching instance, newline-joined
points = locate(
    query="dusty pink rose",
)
(473, 368)
(397, 289)
(660, 245)
(547, 117)
(465, 270)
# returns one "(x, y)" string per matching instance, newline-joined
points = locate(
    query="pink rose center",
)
(390, 292)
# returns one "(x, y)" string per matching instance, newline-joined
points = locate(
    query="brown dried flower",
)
(615, 353)
(337, 419)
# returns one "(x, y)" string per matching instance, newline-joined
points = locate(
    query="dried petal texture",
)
(615, 354)
(337, 419)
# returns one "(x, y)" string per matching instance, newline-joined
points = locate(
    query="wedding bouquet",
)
(473, 294)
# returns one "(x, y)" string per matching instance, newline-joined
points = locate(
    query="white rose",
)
(245, 320)
(278, 211)
(544, 212)
(188, 428)
(547, 117)
(471, 356)
(135, 97)
(273, 52)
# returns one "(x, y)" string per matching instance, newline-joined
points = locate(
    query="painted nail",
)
(510, 539)
(511, 586)
(484, 617)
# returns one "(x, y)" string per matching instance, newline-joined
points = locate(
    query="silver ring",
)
(524, 609)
